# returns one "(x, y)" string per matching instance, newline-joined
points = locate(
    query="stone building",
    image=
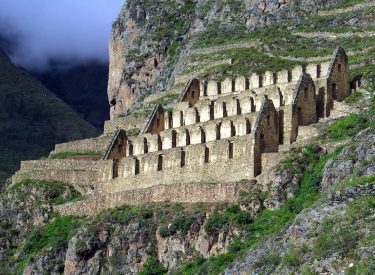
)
(217, 133)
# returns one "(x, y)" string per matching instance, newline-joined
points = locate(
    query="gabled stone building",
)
(216, 134)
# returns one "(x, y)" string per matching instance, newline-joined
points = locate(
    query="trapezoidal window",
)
(248, 126)
(160, 162)
(318, 70)
(203, 136)
(174, 139)
(145, 146)
(115, 167)
(233, 85)
(205, 89)
(206, 155)
(187, 133)
(339, 68)
(247, 84)
(268, 120)
(230, 150)
(160, 144)
(219, 88)
(136, 167)
(131, 149)
(156, 63)
(232, 129)
(289, 76)
(274, 76)
(305, 90)
(218, 132)
(183, 158)
(225, 113)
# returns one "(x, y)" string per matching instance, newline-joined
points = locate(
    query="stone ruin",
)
(215, 137)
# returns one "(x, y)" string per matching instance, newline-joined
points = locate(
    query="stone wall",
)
(178, 193)
(125, 123)
(86, 145)
(193, 163)
(84, 174)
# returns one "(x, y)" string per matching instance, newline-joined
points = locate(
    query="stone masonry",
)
(215, 136)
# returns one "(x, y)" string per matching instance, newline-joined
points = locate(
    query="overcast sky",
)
(65, 30)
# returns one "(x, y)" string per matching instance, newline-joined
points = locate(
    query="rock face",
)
(350, 159)
(151, 40)
(308, 244)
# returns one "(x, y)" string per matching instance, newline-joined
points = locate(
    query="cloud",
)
(70, 31)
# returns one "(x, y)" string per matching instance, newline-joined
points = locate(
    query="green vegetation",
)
(52, 191)
(348, 126)
(180, 223)
(341, 234)
(55, 234)
(355, 181)
(354, 97)
(153, 267)
(231, 215)
(64, 155)
(272, 259)
(133, 132)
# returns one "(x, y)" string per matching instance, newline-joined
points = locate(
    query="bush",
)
(272, 259)
(292, 258)
(153, 267)
(232, 214)
(180, 223)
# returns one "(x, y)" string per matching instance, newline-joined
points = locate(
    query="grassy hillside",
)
(32, 119)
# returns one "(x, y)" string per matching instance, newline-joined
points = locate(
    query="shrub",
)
(273, 259)
(153, 267)
(232, 214)
(292, 258)
(180, 223)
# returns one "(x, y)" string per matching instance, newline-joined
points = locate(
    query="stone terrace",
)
(215, 135)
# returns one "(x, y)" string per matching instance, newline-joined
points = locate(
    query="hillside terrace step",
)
(351, 8)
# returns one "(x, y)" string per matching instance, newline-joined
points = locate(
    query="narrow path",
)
(318, 58)
(348, 9)
(333, 35)
(211, 50)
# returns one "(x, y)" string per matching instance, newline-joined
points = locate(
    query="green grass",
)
(63, 155)
(152, 267)
(55, 234)
(180, 223)
(355, 181)
(348, 126)
(51, 191)
(354, 97)
(341, 234)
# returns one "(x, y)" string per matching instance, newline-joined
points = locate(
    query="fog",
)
(66, 31)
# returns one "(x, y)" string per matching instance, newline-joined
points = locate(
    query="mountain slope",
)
(82, 87)
(32, 119)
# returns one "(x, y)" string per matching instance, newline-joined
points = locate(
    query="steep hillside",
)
(32, 120)
(159, 45)
(315, 215)
(82, 87)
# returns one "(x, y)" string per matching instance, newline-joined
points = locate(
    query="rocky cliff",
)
(152, 42)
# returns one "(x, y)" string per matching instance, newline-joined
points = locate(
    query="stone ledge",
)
(178, 193)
